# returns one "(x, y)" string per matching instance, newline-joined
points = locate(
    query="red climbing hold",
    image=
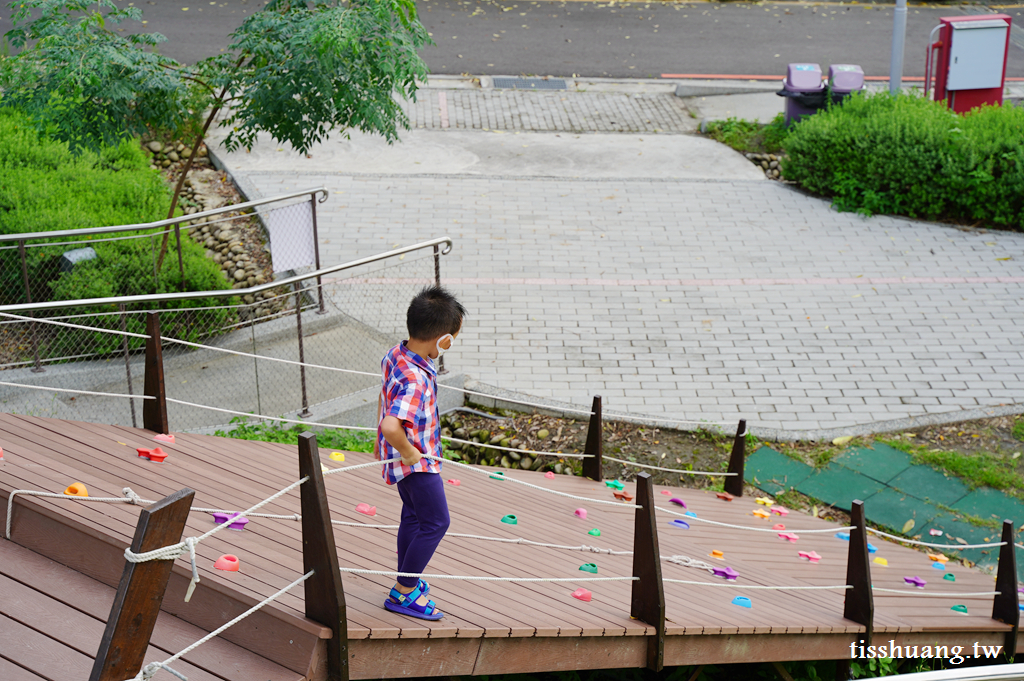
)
(582, 594)
(366, 509)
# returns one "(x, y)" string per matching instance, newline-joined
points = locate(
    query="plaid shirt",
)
(409, 393)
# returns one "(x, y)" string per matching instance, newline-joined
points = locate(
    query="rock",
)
(202, 152)
(210, 242)
(238, 285)
(165, 163)
(239, 275)
(237, 248)
(229, 265)
(260, 279)
(446, 431)
(558, 468)
(251, 299)
(155, 146)
(505, 463)
(505, 442)
(764, 164)
(188, 182)
(522, 447)
(515, 456)
(460, 432)
(497, 439)
(173, 156)
(773, 157)
(543, 433)
(567, 471)
(526, 463)
(773, 164)
(515, 442)
(180, 148)
(218, 258)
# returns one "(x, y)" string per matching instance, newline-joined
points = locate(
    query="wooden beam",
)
(595, 443)
(1006, 606)
(860, 605)
(325, 596)
(141, 590)
(154, 412)
(647, 603)
(734, 483)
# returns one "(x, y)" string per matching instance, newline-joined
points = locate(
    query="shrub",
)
(910, 156)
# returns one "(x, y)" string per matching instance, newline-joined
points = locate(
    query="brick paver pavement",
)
(701, 300)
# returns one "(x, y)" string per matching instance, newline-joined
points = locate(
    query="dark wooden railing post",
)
(325, 596)
(860, 604)
(595, 443)
(647, 603)
(154, 412)
(141, 591)
(1006, 606)
(734, 483)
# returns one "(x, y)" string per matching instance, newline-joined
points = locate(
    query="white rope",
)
(129, 497)
(474, 578)
(147, 672)
(266, 418)
(955, 547)
(669, 470)
(521, 451)
(746, 527)
(752, 586)
(686, 561)
(45, 320)
(934, 594)
(619, 504)
(76, 392)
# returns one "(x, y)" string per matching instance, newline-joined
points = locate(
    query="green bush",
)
(45, 187)
(328, 438)
(749, 136)
(906, 155)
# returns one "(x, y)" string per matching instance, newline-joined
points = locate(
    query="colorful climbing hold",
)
(680, 523)
(580, 513)
(935, 533)
(881, 561)
(594, 532)
(715, 553)
(156, 454)
(323, 468)
(666, 492)
(550, 475)
(164, 437)
(937, 557)
(582, 595)
(764, 501)
(366, 509)
(760, 513)
(915, 581)
(742, 601)
(939, 566)
(76, 489)
(724, 496)
(589, 567)
(510, 519)
(780, 526)
(788, 536)
(872, 548)
(453, 482)
(227, 562)
(845, 536)
(497, 475)
(677, 501)
(727, 572)
(691, 514)
(960, 608)
(237, 523)
(337, 456)
(811, 556)
(949, 577)
(622, 495)
(778, 510)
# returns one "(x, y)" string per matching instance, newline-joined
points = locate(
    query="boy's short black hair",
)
(432, 313)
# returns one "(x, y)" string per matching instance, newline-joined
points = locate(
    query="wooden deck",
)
(489, 627)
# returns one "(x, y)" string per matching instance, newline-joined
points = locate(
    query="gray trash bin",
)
(844, 79)
(803, 90)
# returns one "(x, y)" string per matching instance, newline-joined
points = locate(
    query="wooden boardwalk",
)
(489, 627)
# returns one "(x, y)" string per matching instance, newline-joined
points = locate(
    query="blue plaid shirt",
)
(409, 393)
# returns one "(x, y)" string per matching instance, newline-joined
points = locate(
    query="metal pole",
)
(38, 368)
(437, 282)
(899, 38)
(256, 367)
(127, 364)
(316, 255)
(302, 353)
(181, 266)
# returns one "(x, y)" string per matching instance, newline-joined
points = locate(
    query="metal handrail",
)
(163, 223)
(228, 293)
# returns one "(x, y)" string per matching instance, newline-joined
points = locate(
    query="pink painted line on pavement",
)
(843, 281)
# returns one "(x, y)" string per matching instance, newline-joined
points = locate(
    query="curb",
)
(558, 408)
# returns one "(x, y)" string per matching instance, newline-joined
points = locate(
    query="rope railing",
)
(76, 392)
(954, 547)
(752, 529)
(479, 578)
(938, 594)
(150, 669)
(731, 585)
(661, 468)
(44, 320)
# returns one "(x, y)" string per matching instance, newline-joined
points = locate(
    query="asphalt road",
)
(636, 40)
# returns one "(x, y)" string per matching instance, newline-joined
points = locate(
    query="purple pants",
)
(424, 522)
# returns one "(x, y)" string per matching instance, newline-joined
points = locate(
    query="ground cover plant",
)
(750, 136)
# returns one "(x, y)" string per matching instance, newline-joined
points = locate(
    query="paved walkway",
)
(693, 298)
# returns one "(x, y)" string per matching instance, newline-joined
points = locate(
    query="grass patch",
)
(328, 438)
(977, 469)
(749, 136)
(1018, 429)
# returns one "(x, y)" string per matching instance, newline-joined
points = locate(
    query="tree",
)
(298, 70)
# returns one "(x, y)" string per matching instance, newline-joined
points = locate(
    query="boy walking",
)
(408, 428)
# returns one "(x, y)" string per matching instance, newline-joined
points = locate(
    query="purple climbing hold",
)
(220, 518)
(678, 502)
(916, 581)
(680, 523)
(726, 572)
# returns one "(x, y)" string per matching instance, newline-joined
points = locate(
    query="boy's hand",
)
(413, 459)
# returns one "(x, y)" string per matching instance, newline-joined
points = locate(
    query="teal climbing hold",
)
(497, 475)
(510, 519)
(960, 608)
(589, 567)
(595, 532)
(949, 576)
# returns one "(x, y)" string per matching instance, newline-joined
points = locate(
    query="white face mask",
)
(440, 350)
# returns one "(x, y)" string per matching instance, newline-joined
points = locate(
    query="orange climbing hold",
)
(76, 489)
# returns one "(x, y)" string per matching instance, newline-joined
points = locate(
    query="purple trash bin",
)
(845, 78)
(802, 89)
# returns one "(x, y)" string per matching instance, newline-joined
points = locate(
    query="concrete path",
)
(700, 296)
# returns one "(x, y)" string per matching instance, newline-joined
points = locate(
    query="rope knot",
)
(133, 498)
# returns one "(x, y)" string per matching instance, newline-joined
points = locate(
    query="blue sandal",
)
(405, 604)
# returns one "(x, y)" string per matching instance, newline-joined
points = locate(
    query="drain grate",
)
(529, 83)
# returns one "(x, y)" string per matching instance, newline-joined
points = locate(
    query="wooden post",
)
(325, 596)
(734, 483)
(154, 412)
(595, 443)
(141, 591)
(860, 605)
(1005, 607)
(647, 603)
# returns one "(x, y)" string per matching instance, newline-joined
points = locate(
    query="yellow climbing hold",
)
(337, 456)
(882, 561)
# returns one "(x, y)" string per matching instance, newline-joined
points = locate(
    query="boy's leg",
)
(424, 497)
(408, 530)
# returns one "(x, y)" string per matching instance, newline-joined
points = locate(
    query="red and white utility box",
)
(968, 61)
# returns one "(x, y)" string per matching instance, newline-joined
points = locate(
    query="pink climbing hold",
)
(550, 475)
(454, 482)
(581, 513)
(366, 509)
(227, 562)
(666, 492)
(812, 556)
(789, 536)
(778, 510)
(780, 526)
(582, 595)
(161, 437)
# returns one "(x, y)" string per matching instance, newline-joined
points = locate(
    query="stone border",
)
(557, 408)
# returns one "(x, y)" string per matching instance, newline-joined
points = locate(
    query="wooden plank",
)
(324, 596)
(524, 656)
(141, 591)
(647, 600)
(46, 657)
(12, 672)
(404, 658)
(154, 411)
(734, 649)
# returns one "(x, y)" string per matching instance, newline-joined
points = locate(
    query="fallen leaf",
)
(840, 441)
(961, 540)
(908, 526)
(1004, 258)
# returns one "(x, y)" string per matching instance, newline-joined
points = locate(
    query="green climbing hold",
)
(616, 484)
(589, 567)
(960, 608)
(595, 532)
(950, 576)
(510, 519)
(497, 475)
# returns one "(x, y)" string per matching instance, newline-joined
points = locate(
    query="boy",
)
(409, 427)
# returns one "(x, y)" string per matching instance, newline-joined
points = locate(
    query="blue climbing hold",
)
(938, 566)
(682, 524)
(691, 514)
(742, 601)
(872, 548)
(845, 536)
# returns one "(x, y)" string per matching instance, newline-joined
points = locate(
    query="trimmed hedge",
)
(910, 156)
